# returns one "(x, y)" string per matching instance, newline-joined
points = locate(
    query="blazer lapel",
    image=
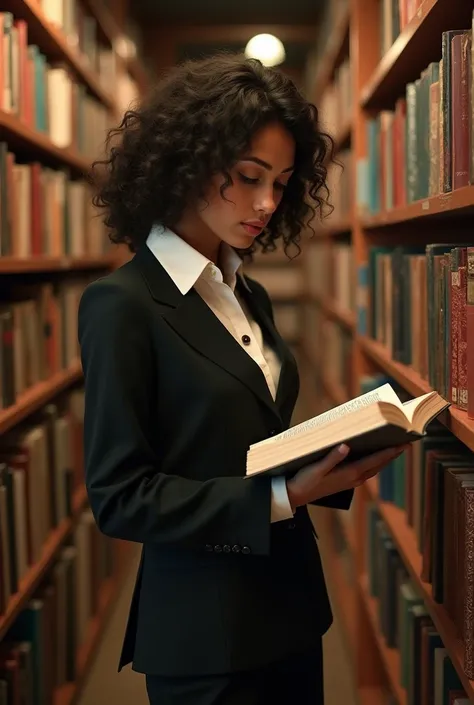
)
(194, 321)
(288, 372)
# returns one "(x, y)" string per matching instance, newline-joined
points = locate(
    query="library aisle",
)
(104, 685)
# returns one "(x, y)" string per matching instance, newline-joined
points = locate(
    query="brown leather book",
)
(460, 108)
(468, 583)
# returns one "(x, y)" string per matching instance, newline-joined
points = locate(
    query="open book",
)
(369, 423)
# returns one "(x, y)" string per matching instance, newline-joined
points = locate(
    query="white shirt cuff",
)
(281, 507)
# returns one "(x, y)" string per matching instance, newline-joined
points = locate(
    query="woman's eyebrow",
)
(265, 165)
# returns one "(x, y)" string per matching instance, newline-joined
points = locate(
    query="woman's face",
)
(259, 180)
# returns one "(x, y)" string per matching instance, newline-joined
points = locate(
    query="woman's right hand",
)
(324, 478)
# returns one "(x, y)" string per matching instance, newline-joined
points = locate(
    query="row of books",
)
(394, 17)
(281, 282)
(81, 32)
(433, 483)
(45, 212)
(423, 146)
(45, 96)
(39, 653)
(325, 334)
(426, 669)
(324, 41)
(40, 469)
(330, 272)
(38, 334)
(340, 185)
(335, 106)
(287, 317)
(418, 304)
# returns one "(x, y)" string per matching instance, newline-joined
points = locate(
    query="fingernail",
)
(343, 449)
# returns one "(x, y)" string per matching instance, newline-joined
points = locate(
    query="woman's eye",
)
(280, 187)
(247, 179)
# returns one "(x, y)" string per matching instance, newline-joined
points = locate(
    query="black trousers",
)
(295, 681)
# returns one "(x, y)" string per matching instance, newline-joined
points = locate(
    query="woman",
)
(184, 369)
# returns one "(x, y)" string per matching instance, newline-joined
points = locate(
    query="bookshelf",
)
(439, 215)
(44, 163)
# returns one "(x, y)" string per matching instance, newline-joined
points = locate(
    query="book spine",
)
(468, 621)
(460, 59)
(462, 342)
(454, 305)
(470, 331)
(434, 139)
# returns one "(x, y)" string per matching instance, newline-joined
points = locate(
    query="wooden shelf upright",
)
(378, 82)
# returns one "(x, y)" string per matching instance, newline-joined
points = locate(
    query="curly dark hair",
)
(196, 123)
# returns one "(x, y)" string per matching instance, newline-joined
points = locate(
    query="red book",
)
(36, 210)
(462, 341)
(22, 29)
(470, 332)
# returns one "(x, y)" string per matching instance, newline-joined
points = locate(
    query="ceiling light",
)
(266, 47)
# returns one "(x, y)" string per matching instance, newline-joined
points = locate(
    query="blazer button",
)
(218, 548)
(291, 525)
(226, 548)
(245, 550)
(246, 339)
(236, 548)
(209, 547)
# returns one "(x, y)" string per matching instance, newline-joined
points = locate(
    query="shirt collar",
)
(185, 265)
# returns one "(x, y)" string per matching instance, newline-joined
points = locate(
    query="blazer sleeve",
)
(130, 497)
(339, 500)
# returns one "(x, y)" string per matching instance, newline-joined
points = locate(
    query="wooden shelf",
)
(417, 45)
(332, 310)
(390, 657)
(23, 137)
(54, 45)
(37, 396)
(110, 32)
(43, 263)
(333, 227)
(345, 318)
(454, 419)
(458, 203)
(106, 25)
(405, 540)
(343, 138)
(37, 571)
(67, 694)
(337, 48)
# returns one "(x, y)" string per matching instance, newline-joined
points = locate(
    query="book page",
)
(383, 393)
(409, 407)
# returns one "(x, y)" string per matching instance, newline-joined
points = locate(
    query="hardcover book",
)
(367, 424)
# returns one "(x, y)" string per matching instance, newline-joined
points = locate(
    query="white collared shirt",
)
(188, 268)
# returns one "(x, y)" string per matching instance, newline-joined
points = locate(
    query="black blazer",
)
(172, 404)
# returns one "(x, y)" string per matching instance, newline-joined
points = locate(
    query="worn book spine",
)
(460, 59)
(447, 109)
(434, 139)
(468, 622)
(470, 331)
(471, 81)
(462, 342)
(454, 304)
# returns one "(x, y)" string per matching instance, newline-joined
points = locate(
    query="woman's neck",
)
(197, 234)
